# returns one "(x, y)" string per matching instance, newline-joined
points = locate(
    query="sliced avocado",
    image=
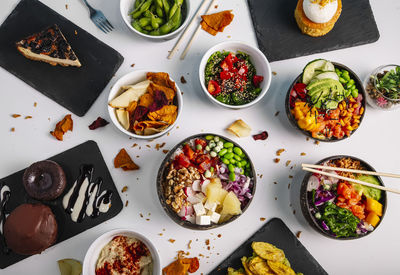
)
(329, 75)
(316, 67)
(331, 104)
(369, 191)
(322, 90)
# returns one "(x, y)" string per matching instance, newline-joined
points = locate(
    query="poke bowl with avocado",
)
(234, 75)
(326, 102)
(340, 209)
(206, 181)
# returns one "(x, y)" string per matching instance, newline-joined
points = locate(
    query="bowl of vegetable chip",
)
(339, 209)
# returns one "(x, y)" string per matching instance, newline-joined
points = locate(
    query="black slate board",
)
(277, 233)
(74, 88)
(280, 38)
(70, 161)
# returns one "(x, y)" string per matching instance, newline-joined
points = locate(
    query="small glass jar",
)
(377, 98)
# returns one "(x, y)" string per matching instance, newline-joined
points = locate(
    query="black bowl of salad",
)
(326, 102)
(339, 209)
(206, 181)
(234, 75)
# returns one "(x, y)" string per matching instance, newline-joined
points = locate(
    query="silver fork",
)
(99, 19)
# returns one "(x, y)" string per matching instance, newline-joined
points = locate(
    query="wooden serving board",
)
(280, 38)
(70, 161)
(276, 233)
(74, 88)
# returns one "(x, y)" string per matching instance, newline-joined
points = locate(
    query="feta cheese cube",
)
(204, 186)
(203, 220)
(196, 186)
(200, 196)
(210, 206)
(199, 209)
(190, 218)
(214, 216)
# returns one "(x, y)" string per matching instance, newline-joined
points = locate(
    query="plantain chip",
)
(268, 251)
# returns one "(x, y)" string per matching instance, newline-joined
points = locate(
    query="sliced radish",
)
(204, 185)
(196, 185)
(313, 183)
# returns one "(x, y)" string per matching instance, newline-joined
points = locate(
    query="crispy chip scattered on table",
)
(124, 161)
(239, 128)
(66, 124)
(216, 22)
(182, 266)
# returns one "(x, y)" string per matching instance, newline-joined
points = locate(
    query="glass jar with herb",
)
(383, 87)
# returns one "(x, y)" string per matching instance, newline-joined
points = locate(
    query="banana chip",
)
(268, 251)
(280, 268)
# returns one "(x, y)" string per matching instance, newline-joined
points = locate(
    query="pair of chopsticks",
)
(194, 18)
(313, 168)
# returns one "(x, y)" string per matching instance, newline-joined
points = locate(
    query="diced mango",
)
(374, 206)
(372, 219)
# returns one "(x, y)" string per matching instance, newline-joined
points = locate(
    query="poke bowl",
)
(150, 22)
(206, 181)
(326, 102)
(339, 209)
(234, 75)
(118, 244)
(144, 104)
(383, 87)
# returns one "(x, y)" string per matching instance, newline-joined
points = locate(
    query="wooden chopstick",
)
(351, 170)
(189, 44)
(177, 44)
(380, 187)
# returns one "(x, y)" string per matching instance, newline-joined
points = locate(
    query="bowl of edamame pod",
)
(155, 19)
(206, 181)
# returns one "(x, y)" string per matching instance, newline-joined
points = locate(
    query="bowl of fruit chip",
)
(206, 181)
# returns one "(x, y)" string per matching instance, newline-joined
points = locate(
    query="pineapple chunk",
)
(231, 205)
(374, 206)
(215, 193)
(372, 219)
(216, 182)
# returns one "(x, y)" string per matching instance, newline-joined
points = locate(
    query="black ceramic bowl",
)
(161, 182)
(305, 206)
(359, 86)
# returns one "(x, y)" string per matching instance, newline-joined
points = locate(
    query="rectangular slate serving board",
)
(277, 233)
(280, 38)
(70, 161)
(74, 88)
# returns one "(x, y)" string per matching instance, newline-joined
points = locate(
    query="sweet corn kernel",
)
(361, 110)
(355, 105)
(349, 128)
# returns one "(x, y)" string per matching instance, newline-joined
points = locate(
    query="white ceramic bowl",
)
(126, 7)
(89, 263)
(258, 59)
(132, 78)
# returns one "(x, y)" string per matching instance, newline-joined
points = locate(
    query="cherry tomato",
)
(300, 89)
(257, 79)
(213, 87)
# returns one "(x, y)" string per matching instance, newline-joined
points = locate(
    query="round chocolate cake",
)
(44, 180)
(30, 229)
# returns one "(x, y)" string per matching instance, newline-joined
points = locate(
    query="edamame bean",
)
(346, 76)
(238, 151)
(347, 93)
(144, 21)
(354, 93)
(232, 160)
(238, 164)
(230, 150)
(243, 162)
(228, 144)
(223, 152)
(348, 85)
(351, 81)
(209, 137)
(226, 161)
(231, 168)
(213, 154)
(232, 176)
(141, 9)
(228, 155)
(248, 165)
(166, 6)
(342, 80)
(237, 157)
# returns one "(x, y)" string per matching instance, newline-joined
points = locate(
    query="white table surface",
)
(376, 142)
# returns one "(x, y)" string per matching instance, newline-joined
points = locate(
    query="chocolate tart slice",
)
(48, 46)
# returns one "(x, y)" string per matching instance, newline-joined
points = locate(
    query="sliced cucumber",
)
(315, 67)
(330, 75)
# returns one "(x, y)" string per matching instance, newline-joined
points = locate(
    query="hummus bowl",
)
(94, 251)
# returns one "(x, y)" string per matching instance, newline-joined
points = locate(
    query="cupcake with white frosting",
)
(317, 17)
